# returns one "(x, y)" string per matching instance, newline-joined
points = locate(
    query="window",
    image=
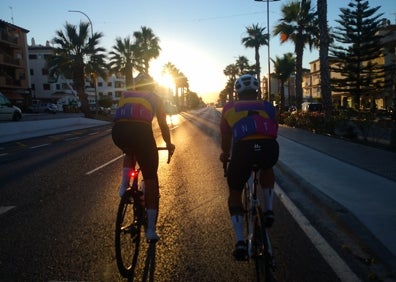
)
(32, 57)
(31, 71)
(44, 72)
(46, 86)
(109, 84)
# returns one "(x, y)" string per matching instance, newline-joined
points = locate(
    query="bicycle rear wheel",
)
(260, 250)
(127, 237)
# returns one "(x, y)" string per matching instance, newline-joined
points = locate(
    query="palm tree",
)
(283, 68)
(173, 71)
(78, 56)
(232, 71)
(122, 59)
(298, 25)
(242, 64)
(148, 48)
(325, 87)
(255, 39)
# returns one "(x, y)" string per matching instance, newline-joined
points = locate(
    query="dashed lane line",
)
(338, 265)
(4, 209)
(105, 164)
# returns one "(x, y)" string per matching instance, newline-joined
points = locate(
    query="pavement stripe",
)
(102, 166)
(4, 209)
(339, 266)
(39, 146)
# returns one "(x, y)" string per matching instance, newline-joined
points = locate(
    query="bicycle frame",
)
(131, 217)
(258, 240)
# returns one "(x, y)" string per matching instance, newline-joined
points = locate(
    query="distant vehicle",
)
(311, 107)
(9, 111)
(43, 108)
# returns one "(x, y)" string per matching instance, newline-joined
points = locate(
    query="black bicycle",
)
(131, 217)
(258, 239)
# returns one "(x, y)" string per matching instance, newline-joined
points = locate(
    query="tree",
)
(325, 84)
(122, 59)
(76, 56)
(255, 39)
(283, 68)
(147, 44)
(232, 71)
(359, 45)
(298, 24)
(174, 72)
(242, 63)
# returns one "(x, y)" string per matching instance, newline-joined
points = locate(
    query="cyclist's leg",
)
(147, 157)
(121, 137)
(237, 175)
(267, 178)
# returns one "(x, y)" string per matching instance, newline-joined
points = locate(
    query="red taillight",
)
(133, 173)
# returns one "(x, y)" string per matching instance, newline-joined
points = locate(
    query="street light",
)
(269, 58)
(96, 92)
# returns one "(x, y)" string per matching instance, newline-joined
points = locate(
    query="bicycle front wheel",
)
(261, 256)
(127, 237)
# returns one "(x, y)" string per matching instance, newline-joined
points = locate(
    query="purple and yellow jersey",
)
(249, 120)
(136, 106)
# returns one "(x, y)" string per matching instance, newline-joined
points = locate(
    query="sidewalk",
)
(360, 178)
(18, 130)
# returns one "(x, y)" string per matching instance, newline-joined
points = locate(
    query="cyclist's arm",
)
(161, 118)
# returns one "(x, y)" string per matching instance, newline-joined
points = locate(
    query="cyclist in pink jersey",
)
(132, 133)
(249, 130)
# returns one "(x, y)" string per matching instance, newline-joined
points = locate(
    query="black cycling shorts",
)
(264, 152)
(137, 139)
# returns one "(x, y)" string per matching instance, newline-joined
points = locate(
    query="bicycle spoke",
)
(127, 238)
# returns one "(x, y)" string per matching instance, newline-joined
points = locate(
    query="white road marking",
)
(339, 266)
(103, 165)
(4, 209)
(39, 146)
(72, 138)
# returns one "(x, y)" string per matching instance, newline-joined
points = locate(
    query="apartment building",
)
(59, 90)
(311, 80)
(14, 76)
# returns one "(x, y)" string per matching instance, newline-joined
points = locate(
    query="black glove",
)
(224, 157)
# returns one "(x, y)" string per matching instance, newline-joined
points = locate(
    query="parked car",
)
(9, 111)
(43, 108)
(311, 107)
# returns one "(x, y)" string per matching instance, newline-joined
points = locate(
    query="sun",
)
(165, 80)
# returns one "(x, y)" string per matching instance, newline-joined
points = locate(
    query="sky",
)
(200, 38)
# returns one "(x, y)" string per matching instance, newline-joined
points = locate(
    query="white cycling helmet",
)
(246, 82)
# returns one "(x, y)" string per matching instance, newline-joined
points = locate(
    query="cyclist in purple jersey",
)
(133, 134)
(249, 130)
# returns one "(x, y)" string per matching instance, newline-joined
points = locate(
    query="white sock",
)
(124, 180)
(268, 197)
(237, 222)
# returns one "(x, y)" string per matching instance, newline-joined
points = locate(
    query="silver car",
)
(9, 111)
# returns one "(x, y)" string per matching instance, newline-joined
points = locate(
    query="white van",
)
(7, 110)
(311, 107)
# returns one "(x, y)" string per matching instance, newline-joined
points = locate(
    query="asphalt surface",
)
(359, 178)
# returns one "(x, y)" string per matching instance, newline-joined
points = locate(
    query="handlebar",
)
(170, 153)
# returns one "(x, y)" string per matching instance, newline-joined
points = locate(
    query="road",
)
(59, 196)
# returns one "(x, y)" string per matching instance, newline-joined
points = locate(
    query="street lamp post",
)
(96, 92)
(269, 57)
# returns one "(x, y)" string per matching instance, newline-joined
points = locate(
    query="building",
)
(59, 90)
(14, 75)
(44, 87)
(311, 80)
